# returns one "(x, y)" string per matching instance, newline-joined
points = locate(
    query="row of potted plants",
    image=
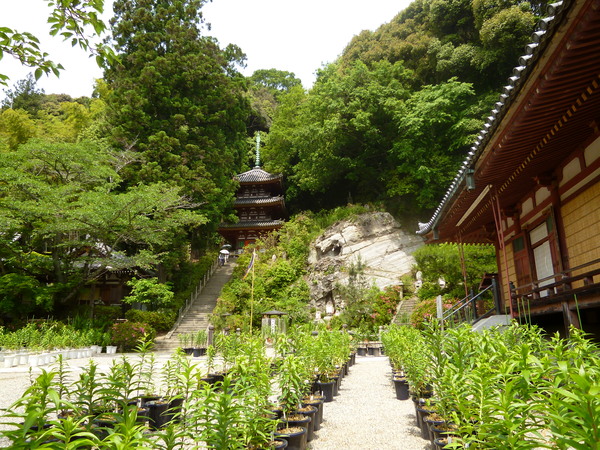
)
(501, 388)
(237, 398)
(41, 343)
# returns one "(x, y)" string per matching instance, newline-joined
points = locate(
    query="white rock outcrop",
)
(376, 239)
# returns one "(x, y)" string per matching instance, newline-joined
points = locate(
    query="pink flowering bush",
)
(384, 306)
(126, 335)
(426, 310)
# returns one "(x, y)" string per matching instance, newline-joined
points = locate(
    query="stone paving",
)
(366, 414)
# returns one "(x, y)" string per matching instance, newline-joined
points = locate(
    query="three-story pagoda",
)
(259, 205)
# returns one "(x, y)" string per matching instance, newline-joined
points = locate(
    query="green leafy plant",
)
(149, 291)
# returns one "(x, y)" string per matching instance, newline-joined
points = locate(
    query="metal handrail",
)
(469, 301)
(188, 303)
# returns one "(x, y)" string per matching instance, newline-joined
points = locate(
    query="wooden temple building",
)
(259, 205)
(531, 182)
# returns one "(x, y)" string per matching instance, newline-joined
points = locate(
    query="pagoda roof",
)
(263, 201)
(257, 175)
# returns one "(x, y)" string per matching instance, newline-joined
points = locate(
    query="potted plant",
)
(200, 340)
(292, 380)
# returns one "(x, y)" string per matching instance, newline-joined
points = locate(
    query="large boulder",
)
(375, 239)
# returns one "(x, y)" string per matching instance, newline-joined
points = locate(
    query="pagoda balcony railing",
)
(561, 286)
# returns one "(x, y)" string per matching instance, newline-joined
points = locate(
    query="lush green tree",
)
(67, 220)
(149, 292)
(341, 134)
(176, 98)
(266, 87)
(361, 135)
(444, 261)
(477, 41)
(16, 128)
(276, 81)
(24, 95)
(77, 21)
(435, 126)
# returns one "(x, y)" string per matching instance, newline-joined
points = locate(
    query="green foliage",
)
(16, 128)
(391, 120)
(68, 221)
(24, 96)
(435, 261)
(266, 87)
(176, 99)
(161, 320)
(47, 335)
(444, 38)
(21, 294)
(149, 291)
(127, 335)
(109, 313)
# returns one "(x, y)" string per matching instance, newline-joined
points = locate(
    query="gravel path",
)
(366, 414)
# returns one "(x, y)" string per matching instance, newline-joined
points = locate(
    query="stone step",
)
(197, 317)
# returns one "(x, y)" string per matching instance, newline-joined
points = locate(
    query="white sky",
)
(294, 35)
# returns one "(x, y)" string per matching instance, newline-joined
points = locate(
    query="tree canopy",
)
(393, 117)
(66, 220)
(176, 99)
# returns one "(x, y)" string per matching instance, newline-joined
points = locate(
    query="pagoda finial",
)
(257, 164)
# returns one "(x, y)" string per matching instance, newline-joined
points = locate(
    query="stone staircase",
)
(404, 310)
(198, 315)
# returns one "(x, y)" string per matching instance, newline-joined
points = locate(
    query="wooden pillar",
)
(569, 317)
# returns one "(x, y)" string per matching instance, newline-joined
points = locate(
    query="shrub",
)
(149, 291)
(111, 313)
(126, 335)
(444, 260)
(425, 311)
(161, 320)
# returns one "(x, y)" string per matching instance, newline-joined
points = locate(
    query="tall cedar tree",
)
(177, 99)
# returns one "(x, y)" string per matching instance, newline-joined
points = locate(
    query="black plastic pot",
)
(295, 437)
(142, 414)
(336, 386)
(440, 443)
(311, 413)
(318, 418)
(279, 444)
(217, 377)
(292, 421)
(158, 416)
(148, 398)
(431, 424)
(423, 412)
(401, 386)
(327, 389)
(173, 413)
(199, 351)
